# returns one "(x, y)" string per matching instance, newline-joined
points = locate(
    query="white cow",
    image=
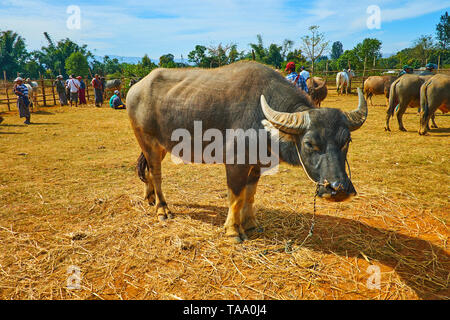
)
(32, 91)
(344, 80)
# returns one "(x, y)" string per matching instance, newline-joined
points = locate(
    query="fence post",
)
(53, 92)
(43, 92)
(87, 91)
(6, 90)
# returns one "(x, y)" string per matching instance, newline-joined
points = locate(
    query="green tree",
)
(423, 48)
(13, 53)
(147, 62)
(337, 49)
(199, 57)
(368, 50)
(77, 64)
(287, 47)
(314, 45)
(274, 57)
(443, 31)
(167, 61)
(54, 57)
(32, 69)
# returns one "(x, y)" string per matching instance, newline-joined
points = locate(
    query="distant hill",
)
(130, 60)
(134, 60)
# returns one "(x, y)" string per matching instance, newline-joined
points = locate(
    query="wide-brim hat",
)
(18, 79)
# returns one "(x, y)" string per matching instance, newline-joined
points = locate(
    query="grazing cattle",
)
(344, 81)
(404, 92)
(376, 85)
(434, 94)
(111, 85)
(317, 89)
(243, 96)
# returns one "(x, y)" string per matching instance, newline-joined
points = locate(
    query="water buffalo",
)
(317, 89)
(113, 84)
(376, 85)
(244, 96)
(344, 80)
(404, 92)
(434, 94)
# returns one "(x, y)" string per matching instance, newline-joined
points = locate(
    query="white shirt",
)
(74, 85)
(305, 74)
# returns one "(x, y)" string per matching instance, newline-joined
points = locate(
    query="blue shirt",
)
(22, 89)
(115, 101)
(301, 82)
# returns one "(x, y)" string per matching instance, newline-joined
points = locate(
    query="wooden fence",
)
(46, 95)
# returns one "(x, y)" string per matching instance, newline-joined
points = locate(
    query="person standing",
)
(23, 103)
(429, 68)
(82, 91)
(74, 87)
(61, 89)
(406, 70)
(304, 73)
(98, 90)
(295, 78)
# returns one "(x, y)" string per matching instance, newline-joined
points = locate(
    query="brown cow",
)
(376, 85)
(404, 92)
(434, 94)
(317, 88)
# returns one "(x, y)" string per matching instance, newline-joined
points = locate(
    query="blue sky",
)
(157, 27)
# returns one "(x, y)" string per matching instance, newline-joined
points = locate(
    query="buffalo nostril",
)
(337, 186)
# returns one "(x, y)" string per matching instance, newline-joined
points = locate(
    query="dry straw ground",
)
(69, 195)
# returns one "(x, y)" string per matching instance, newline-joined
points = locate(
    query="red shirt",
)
(97, 84)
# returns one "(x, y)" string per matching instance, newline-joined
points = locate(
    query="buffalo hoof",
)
(403, 129)
(254, 230)
(164, 213)
(236, 240)
(387, 129)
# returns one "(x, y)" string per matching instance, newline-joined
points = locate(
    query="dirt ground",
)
(73, 224)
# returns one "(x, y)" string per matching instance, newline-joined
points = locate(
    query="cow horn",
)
(292, 123)
(357, 117)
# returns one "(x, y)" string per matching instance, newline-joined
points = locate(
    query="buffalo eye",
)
(310, 146)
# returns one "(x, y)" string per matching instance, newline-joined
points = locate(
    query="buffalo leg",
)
(154, 154)
(236, 181)
(248, 217)
(400, 112)
(433, 125)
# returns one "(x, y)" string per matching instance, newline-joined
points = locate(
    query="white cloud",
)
(156, 27)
